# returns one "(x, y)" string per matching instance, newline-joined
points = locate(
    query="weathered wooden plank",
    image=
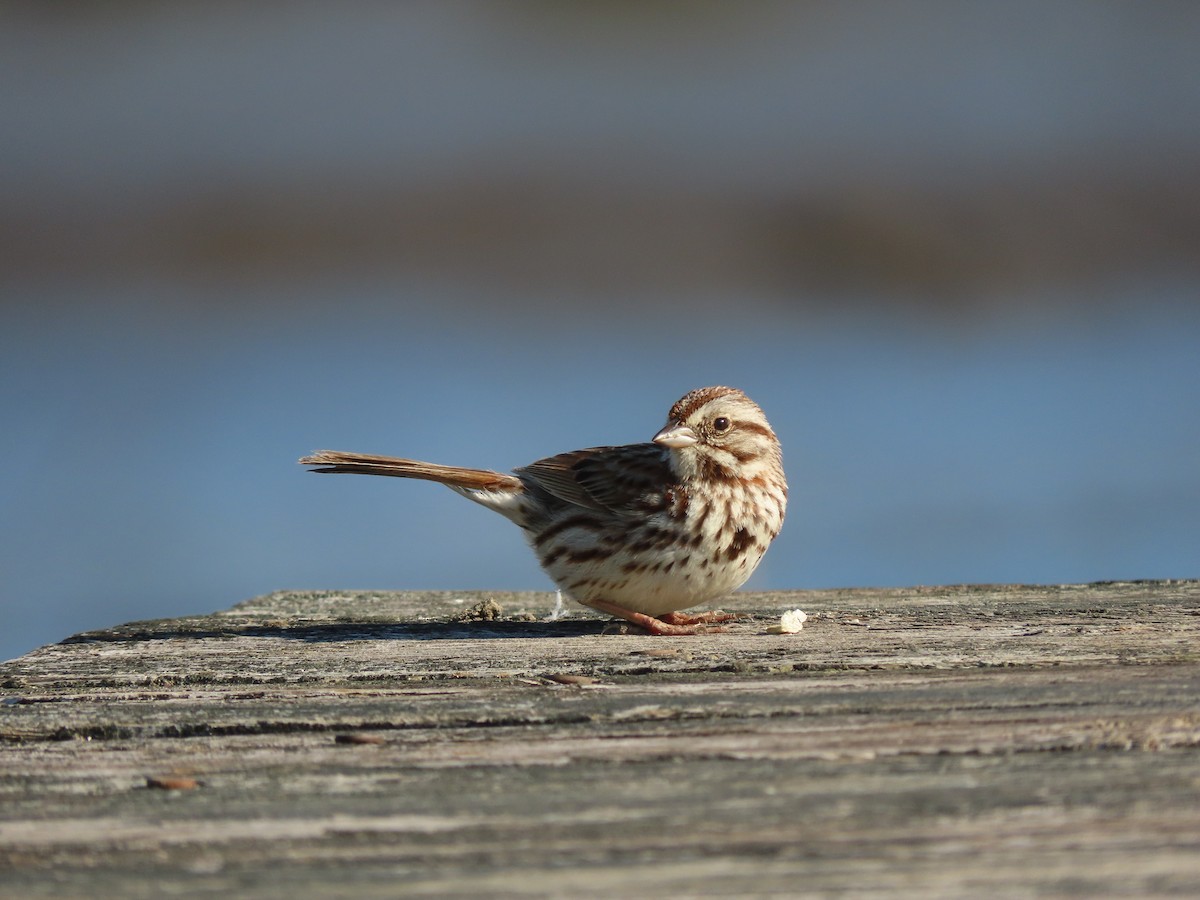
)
(931, 741)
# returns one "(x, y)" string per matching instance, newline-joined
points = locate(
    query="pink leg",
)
(651, 624)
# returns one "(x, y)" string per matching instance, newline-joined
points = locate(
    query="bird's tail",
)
(365, 464)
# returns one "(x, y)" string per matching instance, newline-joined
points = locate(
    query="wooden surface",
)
(1004, 741)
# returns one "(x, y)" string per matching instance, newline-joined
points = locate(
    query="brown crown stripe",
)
(691, 402)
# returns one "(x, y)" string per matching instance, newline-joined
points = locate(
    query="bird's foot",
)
(670, 624)
(716, 615)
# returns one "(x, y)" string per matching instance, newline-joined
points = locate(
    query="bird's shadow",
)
(334, 632)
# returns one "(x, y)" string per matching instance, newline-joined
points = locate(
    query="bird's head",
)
(720, 432)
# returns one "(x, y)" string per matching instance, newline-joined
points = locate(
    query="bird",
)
(639, 531)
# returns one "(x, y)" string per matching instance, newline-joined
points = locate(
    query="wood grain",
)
(1006, 740)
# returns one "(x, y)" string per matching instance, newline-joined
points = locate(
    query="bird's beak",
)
(676, 436)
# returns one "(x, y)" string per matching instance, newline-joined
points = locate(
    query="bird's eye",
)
(720, 424)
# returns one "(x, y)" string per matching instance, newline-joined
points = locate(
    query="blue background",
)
(950, 248)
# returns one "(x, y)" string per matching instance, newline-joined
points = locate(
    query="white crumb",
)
(789, 623)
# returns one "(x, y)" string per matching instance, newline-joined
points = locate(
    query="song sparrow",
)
(639, 531)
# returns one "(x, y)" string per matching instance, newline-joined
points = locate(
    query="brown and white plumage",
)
(640, 531)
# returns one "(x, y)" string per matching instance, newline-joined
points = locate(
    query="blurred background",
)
(951, 248)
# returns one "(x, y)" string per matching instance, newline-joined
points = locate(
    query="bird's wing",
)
(610, 478)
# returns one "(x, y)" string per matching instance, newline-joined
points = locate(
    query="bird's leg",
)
(716, 615)
(651, 624)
